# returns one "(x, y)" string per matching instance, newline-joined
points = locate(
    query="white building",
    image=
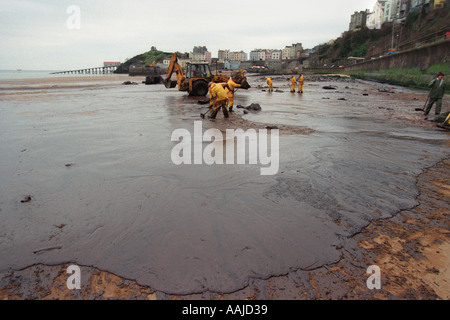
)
(181, 62)
(286, 53)
(358, 20)
(227, 55)
(276, 55)
(238, 56)
(391, 10)
(196, 56)
(272, 54)
(292, 52)
(223, 55)
(376, 18)
(258, 55)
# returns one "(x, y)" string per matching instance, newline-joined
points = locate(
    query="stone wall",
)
(419, 58)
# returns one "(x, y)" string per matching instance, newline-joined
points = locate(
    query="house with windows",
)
(358, 20)
(376, 18)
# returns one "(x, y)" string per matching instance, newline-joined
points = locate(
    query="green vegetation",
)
(146, 58)
(442, 67)
(361, 51)
(425, 26)
(412, 78)
(421, 28)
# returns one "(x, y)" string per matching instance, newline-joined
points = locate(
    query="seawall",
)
(409, 68)
(418, 58)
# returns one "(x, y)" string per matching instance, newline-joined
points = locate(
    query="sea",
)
(33, 74)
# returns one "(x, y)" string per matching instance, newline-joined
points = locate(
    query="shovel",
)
(423, 109)
(204, 114)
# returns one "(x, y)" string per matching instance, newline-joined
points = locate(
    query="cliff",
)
(419, 28)
(143, 59)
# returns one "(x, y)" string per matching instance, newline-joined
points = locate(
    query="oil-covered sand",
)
(87, 179)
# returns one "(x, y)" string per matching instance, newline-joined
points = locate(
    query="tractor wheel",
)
(200, 88)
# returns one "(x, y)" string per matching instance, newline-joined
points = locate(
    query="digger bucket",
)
(245, 85)
(169, 83)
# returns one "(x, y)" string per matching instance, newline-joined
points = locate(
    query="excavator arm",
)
(195, 81)
(174, 66)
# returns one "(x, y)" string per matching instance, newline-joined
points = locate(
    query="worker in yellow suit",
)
(230, 88)
(293, 82)
(301, 82)
(218, 99)
(270, 84)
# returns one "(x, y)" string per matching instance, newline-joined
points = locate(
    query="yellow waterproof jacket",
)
(293, 80)
(218, 92)
(232, 85)
(269, 81)
(301, 80)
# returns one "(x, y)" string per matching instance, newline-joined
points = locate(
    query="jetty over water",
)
(96, 70)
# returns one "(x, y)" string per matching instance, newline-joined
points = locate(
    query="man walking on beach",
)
(436, 94)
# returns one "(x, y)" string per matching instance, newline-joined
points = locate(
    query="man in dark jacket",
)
(436, 94)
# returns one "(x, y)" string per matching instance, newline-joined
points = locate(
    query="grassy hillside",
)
(419, 27)
(146, 58)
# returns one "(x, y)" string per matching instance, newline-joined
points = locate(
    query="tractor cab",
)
(198, 70)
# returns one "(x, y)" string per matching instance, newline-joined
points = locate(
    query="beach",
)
(88, 179)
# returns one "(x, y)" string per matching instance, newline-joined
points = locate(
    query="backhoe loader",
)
(196, 80)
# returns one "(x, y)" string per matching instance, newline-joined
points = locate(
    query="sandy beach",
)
(363, 181)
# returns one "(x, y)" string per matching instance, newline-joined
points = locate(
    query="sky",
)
(76, 34)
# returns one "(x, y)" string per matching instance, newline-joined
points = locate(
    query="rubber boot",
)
(225, 112)
(230, 109)
(213, 114)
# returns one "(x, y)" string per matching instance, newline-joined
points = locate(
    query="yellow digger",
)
(196, 80)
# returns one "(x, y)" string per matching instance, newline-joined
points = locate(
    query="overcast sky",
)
(42, 34)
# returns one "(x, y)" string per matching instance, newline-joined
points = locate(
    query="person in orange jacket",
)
(301, 82)
(270, 83)
(231, 88)
(218, 99)
(293, 83)
(237, 81)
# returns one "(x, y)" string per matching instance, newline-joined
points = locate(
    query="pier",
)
(96, 70)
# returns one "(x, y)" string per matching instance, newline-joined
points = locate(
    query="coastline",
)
(73, 81)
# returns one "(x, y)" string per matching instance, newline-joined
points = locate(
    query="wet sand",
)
(412, 249)
(381, 242)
